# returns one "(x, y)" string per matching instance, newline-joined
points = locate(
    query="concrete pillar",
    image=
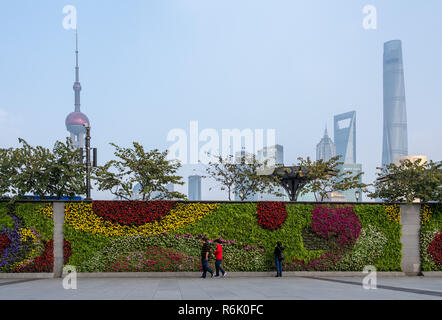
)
(58, 209)
(411, 224)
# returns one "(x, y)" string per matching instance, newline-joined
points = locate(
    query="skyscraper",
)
(194, 187)
(325, 149)
(273, 154)
(395, 140)
(345, 140)
(345, 136)
(75, 120)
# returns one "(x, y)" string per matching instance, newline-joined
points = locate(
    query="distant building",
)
(395, 139)
(355, 169)
(345, 140)
(345, 136)
(325, 149)
(194, 188)
(337, 197)
(274, 156)
(154, 195)
(398, 160)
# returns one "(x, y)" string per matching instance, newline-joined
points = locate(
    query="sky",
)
(148, 67)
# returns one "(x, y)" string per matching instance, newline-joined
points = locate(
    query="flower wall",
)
(431, 237)
(119, 236)
(26, 238)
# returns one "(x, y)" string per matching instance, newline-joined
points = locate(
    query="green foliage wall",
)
(169, 244)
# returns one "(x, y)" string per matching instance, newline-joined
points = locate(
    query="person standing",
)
(279, 257)
(205, 258)
(219, 259)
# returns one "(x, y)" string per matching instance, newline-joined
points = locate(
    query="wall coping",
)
(158, 275)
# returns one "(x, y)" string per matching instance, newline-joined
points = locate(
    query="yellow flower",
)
(393, 212)
(426, 214)
(80, 216)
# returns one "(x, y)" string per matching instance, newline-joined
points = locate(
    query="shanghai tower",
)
(395, 141)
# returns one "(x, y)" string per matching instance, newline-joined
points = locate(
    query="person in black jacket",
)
(279, 256)
(205, 250)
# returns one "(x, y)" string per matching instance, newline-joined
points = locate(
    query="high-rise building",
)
(345, 136)
(274, 155)
(325, 149)
(345, 141)
(75, 120)
(395, 140)
(194, 188)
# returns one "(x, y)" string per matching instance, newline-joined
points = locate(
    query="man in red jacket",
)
(219, 258)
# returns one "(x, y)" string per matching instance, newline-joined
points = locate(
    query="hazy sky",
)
(147, 67)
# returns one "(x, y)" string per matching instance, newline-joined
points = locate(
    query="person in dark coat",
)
(205, 250)
(279, 256)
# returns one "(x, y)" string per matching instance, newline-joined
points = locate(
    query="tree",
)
(151, 170)
(409, 181)
(40, 171)
(241, 176)
(325, 177)
(6, 172)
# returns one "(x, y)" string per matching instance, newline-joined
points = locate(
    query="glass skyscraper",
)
(345, 141)
(345, 136)
(395, 140)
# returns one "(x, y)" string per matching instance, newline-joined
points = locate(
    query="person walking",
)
(279, 256)
(205, 250)
(219, 259)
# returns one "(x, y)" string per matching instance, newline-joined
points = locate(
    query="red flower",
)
(4, 242)
(271, 215)
(435, 248)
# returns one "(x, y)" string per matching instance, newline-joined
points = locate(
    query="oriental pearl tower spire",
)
(75, 120)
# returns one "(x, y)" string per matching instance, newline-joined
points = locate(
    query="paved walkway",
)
(293, 288)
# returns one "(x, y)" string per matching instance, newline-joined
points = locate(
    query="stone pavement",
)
(260, 288)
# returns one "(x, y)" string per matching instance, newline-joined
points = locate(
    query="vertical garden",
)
(431, 237)
(136, 236)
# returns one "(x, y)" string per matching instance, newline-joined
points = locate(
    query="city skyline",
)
(148, 68)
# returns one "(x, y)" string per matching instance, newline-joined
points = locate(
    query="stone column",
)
(58, 209)
(411, 224)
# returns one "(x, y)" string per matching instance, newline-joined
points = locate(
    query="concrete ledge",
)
(231, 274)
(432, 274)
(26, 275)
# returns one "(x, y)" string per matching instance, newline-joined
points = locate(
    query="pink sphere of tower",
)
(75, 122)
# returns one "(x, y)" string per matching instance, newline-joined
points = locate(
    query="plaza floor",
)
(260, 288)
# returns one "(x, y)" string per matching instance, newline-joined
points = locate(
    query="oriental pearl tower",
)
(75, 120)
